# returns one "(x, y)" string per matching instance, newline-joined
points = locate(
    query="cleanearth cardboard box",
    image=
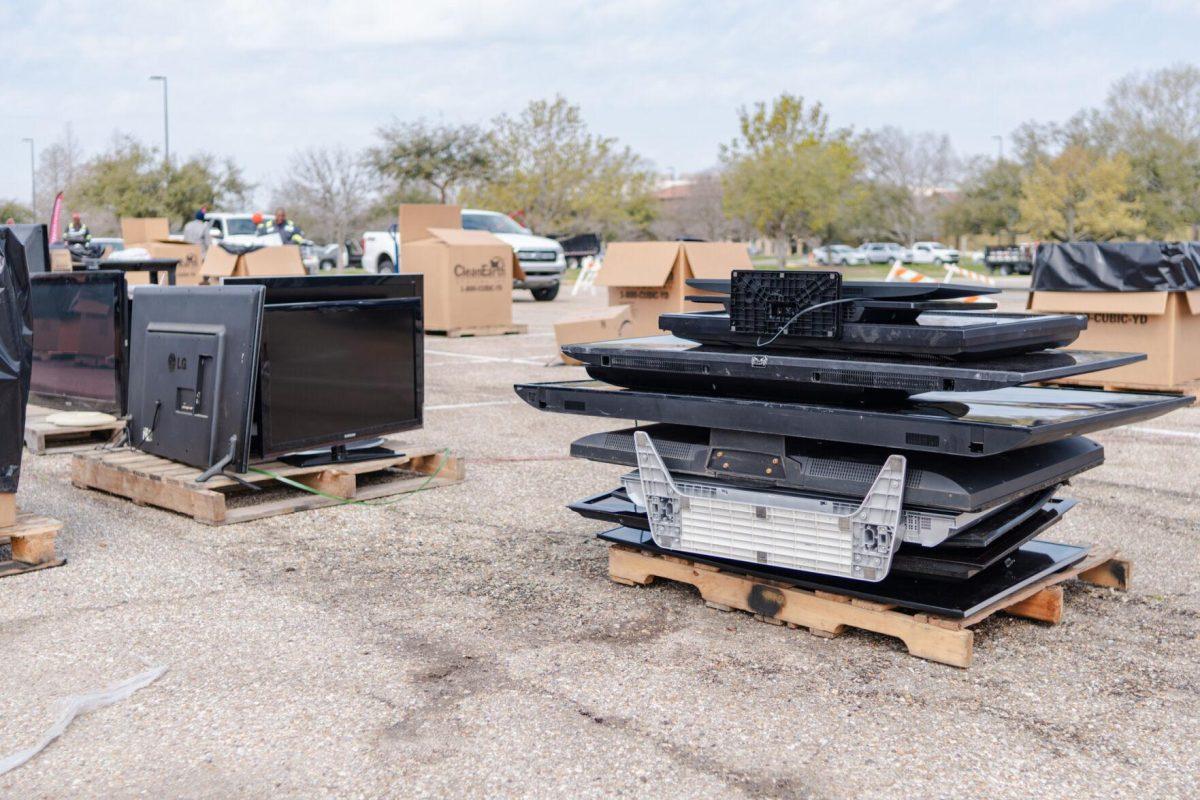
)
(468, 274)
(1163, 325)
(650, 277)
(275, 260)
(152, 234)
(614, 322)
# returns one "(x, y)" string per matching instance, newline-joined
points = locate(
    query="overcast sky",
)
(259, 80)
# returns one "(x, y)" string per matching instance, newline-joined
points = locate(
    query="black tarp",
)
(1117, 267)
(16, 354)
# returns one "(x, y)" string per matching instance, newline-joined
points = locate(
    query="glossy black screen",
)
(78, 340)
(335, 372)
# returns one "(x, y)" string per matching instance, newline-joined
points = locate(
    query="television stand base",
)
(339, 454)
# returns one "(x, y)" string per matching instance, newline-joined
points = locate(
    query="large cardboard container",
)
(1163, 325)
(650, 277)
(276, 260)
(468, 274)
(614, 322)
(144, 229)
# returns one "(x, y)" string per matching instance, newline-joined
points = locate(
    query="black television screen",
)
(338, 372)
(35, 239)
(318, 288)
(79, 346)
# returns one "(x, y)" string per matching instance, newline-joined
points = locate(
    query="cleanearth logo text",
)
(491, 269)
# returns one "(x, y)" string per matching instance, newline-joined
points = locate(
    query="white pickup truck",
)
(541, 259)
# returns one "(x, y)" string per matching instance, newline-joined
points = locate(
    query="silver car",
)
(839, 255)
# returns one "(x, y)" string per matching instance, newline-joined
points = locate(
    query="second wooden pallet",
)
(150, 480)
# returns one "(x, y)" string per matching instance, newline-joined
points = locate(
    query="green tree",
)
(1079, 195)
(443, 158)
(988, 201)
(18, 211)
(548, 169)
(1155, 119)
(131, 181)
(788, 176)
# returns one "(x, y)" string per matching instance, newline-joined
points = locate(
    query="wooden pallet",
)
(942, 639)
(1190, 389)
(150, 480)
(485, 330)
(43, 438)
(29, 536)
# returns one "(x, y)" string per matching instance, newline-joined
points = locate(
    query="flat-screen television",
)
(193, 368)
(339, 372)
(35, 239)
(79, 340)
(318, 288)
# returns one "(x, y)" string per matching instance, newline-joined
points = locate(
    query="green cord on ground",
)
(348, 501)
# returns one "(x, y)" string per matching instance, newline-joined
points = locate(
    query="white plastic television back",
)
(771, 528)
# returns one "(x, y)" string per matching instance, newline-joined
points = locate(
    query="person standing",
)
(289, 232)
(77, 231)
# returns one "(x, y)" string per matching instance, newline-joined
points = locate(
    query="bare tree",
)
(329, 190)
(695, 211)
(910, 169)
(60, 167)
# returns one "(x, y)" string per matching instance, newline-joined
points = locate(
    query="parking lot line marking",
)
(536, 360)
(1164, 432)
(449, 406)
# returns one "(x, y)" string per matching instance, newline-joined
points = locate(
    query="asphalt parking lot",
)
(466, 641)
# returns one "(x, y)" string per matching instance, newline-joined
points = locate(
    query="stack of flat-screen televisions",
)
(309, 370)
(870, 438)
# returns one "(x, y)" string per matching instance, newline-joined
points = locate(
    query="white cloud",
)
(259, 81)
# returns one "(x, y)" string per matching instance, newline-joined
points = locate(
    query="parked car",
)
(231, 228)
(354, 253)
(542, 259)
(1011, 259)
(380, 251)
(839, 255)
(882, 252)
(930, 253)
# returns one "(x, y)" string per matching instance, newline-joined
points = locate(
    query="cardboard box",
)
(615, 322)
(60, 259)
(468, 274)
(650, 277)
(188, 255)
(1163, 325)
(277, 260)
(144, 229)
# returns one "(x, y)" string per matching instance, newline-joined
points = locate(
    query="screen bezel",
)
(121, 323)
(398, 285)
(269, 448)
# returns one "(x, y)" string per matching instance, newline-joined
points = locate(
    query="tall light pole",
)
(166, 126)
(32, 181)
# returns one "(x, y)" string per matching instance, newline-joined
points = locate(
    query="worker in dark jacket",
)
(289, 232)
(77, 231)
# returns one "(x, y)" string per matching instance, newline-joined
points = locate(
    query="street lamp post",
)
(32, 180)
(166, 126)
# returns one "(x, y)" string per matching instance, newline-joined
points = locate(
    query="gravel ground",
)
(466, 642)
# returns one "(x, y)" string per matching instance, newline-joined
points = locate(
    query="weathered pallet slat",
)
(828, 614)
(159, 482)
(29, 536)
(45, 438)
(486, 330)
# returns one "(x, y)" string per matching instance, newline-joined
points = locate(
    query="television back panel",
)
(193, 369)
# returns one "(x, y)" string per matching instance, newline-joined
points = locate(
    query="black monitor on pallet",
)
(80, 348)
(334, 375)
